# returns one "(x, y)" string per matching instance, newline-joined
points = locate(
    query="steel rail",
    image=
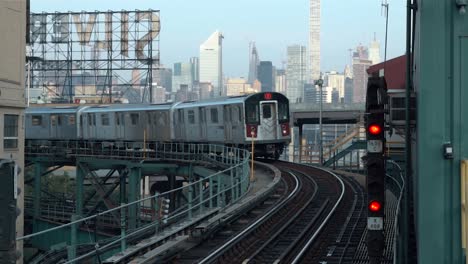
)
(250, 228)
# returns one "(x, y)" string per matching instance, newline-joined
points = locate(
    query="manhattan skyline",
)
(185, 25)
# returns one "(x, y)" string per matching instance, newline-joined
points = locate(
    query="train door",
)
(268, 120)
(119, 125)
(202, 118)
(181, 124)
(227, 123)
(53, 126)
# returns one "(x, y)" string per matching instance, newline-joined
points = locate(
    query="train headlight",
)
(285, 129)
(251, 131)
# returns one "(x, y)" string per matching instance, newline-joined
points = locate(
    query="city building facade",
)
(296, 73)
(254, 61)
(265, 75)
(12, 96)
(314, 40)
(211, 62)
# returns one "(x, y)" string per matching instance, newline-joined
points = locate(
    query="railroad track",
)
(314, 216)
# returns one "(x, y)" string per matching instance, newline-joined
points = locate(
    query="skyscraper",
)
(182, 75)
(163, 77)
(360, 64)
(360, 79)
(314, 39)
(265, 75)
(374, 51)
(253, 63)
(211, 62)
(296, 73)
(280, 81)
(195, 64)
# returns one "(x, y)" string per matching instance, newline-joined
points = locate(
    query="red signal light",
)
(375, 129)
(267, 96)
(375, 206)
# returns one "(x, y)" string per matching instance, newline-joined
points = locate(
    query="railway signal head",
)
(375, 206)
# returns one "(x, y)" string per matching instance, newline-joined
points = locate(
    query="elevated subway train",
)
(234, 121)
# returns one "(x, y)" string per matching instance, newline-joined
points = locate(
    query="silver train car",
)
(234, 121)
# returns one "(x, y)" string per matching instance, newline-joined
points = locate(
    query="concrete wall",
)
(12, 76)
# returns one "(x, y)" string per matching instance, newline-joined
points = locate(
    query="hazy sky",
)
(272, 24)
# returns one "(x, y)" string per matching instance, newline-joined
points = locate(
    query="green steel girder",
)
(441, 82)
(103, 181)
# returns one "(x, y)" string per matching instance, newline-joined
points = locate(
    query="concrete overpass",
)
(331, 114)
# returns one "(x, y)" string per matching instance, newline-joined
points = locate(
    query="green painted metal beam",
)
(441, 60)
(133, 195)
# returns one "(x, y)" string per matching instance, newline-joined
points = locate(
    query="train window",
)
(214, 115)
(90, 120)
(266, 110)
(36, 120)
(105, 119)
(283, 112)
(53, 120)
(227, 114)
(94, 119)
(201, 113)
(59, 120)
(135, 118)
(239, 111)
(252, 113)
(71, 120)
(163, 119)
(117, 119)
(181, 116)
(155, 118)
(148, 117)
(191, 117)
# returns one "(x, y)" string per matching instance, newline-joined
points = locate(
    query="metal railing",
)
(215, 191)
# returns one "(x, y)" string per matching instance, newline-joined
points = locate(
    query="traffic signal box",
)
(375, 162)
(8, 211)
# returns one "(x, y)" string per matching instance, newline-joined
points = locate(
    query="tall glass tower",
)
(211, 62)
(314, 39)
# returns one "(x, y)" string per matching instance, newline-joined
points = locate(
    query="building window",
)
(10, 132)
(191, 117)
(105, 119)
(36, 120)
(214, 115)
(135, 118)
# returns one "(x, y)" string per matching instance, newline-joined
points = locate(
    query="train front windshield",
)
(252, 107)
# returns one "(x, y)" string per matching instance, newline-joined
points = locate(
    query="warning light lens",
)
(267, 96)
(375, 129)
(375, 206)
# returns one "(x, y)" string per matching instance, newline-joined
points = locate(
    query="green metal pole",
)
(190, 202)
(123, 224)
(79, 193)
(200, 193)
(37, 193)
(233, 193)
(73, 240)
(218, 190)
(211, 192)
(405, 203)
(156, 212)
(133, 195)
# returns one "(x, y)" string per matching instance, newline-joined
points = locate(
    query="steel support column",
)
(441, 60)
(134, 195)
(38, 170)
(300, 143)
(79, 181)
